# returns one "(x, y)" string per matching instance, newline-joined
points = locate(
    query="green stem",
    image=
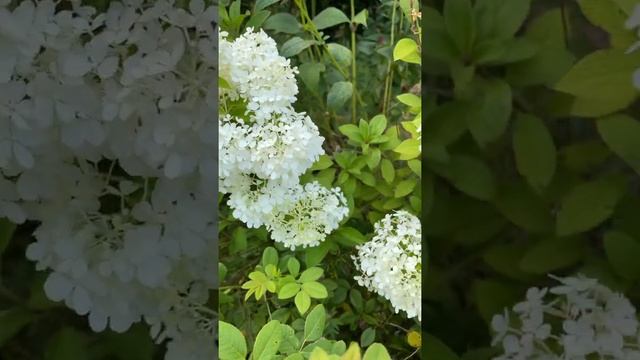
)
(353, 63)
(268, 308)
(386, 99)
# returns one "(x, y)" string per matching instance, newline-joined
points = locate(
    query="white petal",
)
(57, 287)
(23, 155)
(108, 67)
(97, 321)
(172, 166)
(81, 301)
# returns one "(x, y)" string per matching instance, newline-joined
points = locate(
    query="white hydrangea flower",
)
(266, 146)
(107, 142)
(308, 215)
(253, 200)
(391, 262)
(577, 319)
(280, 148)
(257, 73)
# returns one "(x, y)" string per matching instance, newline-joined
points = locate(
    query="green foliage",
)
(361, 86)
(532, 151)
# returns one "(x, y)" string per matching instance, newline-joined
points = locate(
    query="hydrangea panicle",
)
(391, 262)
(266, 146)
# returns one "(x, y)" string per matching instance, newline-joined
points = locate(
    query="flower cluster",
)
(391, 262)
(265, 145)
(107, 127)
(578, 319)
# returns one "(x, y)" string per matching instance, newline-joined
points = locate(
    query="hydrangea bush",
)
(320, 200)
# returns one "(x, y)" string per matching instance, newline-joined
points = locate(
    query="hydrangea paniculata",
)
(577, 319)
(108, 127)
(391, 262)
(265, 146)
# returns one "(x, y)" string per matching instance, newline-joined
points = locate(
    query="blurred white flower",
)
(113, 108)
(577, 319)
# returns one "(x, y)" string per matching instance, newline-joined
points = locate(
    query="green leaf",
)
(233, 345)
(440, 46)
(238, 240)
(552, 59)
(406, 50)
(498, 19)
(552, 254)
(302, 301)
(329, 17)
(341, 53)
(405, 187)
(535, 152)
(493, 111)
(368, 336)
(622, 134)
(294, 46)
(67, 343)
(288, 291)
(376, 351)
(623, 252)
(469, 175)
(339, 93)
(448, 122)
(410, 100)
(352, 132)
(377, 125)
(587, 205)
(13, 320)
(518, 203)
(603, 78)
(388, 172)
(408, 149)
(315, 290)
(258, 18)
(282, 22)
(607, 15)
(505, 260)
(438, 349)
(373, 159)
(314, 324)
(583, 157)
(545, 68)
(7, 228)
(318, 353)
(367, 178)
(310, 75)
(290, 342)
(270, 256)
(293, 265)
(313, 256)
(355, 298)
(460, 23)
(361, 17)
(348, 236)
(311, 274)
(261, 4)
(267, 341)
(626, 5)
(323, 162)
